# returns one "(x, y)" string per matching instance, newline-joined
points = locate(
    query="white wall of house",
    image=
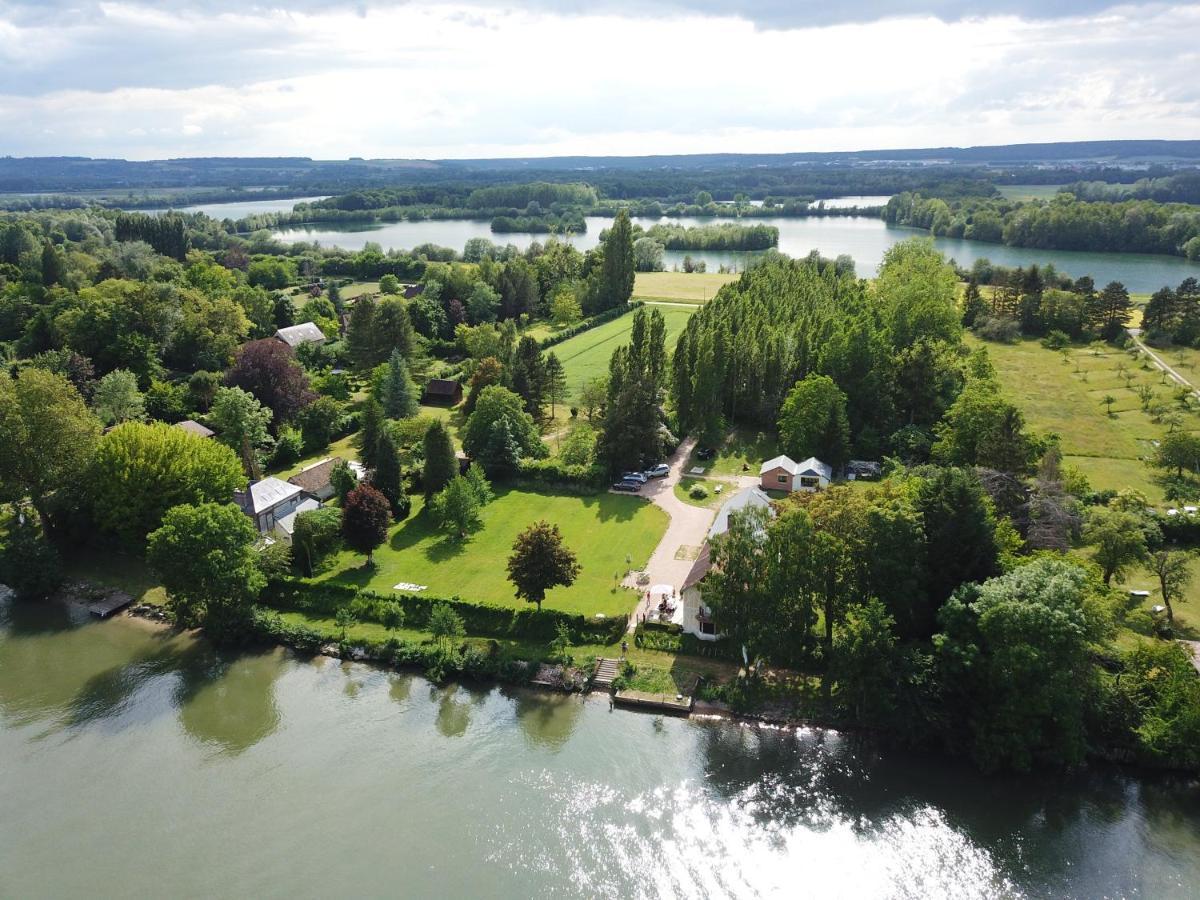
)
(693, 605)
(809, 483)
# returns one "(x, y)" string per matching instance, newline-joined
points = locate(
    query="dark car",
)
(631, 486)
(704, 453)
(639, 477)
(662, 470)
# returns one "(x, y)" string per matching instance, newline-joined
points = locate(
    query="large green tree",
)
(140, 471)
(1015, 658)
(813, 421)
(500, 411)
(539, 561)
(614, 286)
(47, 436)
(242, 424)
(204, 555)
(117, 398)
(398, 394)
(441, 464)
(1119, 539)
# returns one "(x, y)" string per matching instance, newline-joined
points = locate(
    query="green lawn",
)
(343, 448)
(679, 287)
(712, 501)
(586, 355)
(743, 452)
(602, 530)
(1065, 394)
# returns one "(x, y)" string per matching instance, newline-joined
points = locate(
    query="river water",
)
(138, 764)
(865, 239)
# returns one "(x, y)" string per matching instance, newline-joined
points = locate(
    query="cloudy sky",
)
(331, 79)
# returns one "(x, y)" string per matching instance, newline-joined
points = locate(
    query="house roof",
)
(813, 466)
(288, 523)
(315, 478)
(195, 428)
(442, 386)
(304, 333)
(267, 494)
(779, 462)
(699, 568)
(744, 499)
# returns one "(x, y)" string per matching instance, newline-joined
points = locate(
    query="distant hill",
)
(71, 174)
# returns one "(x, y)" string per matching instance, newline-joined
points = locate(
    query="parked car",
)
(704, 453)
(659, 471)
(639, 477)
(631, 486)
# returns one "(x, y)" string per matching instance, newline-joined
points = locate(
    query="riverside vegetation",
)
(944, 607)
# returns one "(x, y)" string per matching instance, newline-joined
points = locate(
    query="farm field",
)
(586, 355)
(603, 531)
(679, 287)
(1064, 393)
(1028, 191)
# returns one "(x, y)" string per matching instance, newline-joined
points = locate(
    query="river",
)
(134, 763)
(865, 239)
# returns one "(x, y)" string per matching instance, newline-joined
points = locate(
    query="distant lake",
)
(241, 208)
(865, 239)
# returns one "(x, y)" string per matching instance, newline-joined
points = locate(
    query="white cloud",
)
(438, 80)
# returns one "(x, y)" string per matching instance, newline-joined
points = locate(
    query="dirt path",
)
(673, 557)
(1135, 335)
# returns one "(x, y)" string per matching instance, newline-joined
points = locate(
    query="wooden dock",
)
(668, 703)
(108, 604)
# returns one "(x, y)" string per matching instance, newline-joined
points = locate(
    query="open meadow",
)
(610, 534)
(680, 287)
(1065, 392)
(586, 355)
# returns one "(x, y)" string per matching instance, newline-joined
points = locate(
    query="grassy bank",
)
(679, 287)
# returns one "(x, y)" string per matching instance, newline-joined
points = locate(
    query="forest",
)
(1063, 223)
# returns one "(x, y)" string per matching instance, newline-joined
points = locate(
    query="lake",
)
(865, 239)
(135, 763)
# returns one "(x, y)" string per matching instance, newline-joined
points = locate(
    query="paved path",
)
(689, 526)
(1135, 335)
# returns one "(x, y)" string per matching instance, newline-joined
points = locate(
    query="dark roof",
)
(316, 477)
(195, 428)
(699, 568)
(445, 387)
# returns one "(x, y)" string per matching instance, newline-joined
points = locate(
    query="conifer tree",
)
(399, 394)
(441, 465)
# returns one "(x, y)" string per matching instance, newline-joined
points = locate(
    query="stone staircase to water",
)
(606, 671)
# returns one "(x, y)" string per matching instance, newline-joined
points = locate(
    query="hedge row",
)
(553, 473)
(579, 328)
(437, 661)
(484, 619)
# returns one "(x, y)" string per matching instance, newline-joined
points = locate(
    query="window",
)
(810, 482)
(783, 479)
(707, 627)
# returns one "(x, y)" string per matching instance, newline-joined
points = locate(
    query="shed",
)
(195, 428)
(304, 333)
(314, 479)
(443, 391)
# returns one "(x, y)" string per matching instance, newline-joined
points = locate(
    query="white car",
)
(659, 471)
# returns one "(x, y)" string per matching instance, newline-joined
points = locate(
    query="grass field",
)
(743, 453)
(1028, 191)
(602, 530)
(586, 355)
(679, 287)
(1065, 394)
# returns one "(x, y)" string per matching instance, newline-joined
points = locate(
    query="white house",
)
(304, 333)
(783, 474)
(697, 616)
(273, 504)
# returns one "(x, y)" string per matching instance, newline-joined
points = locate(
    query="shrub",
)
(1056, 340)
(479, 618)
(698, 492)
(999, 329)
(289, 448)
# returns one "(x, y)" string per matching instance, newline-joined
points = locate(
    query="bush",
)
(999, 329)
(479, 618)
(579, 328)
(698, 492)
(289, 448)
(1056, 340)
(554, 473)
